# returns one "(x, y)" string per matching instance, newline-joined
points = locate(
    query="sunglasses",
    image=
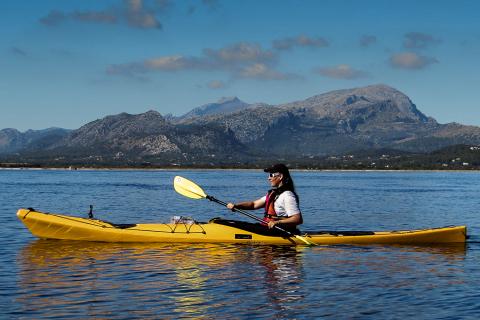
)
(273, 175)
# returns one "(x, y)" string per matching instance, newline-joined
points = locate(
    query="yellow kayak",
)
(58, 226)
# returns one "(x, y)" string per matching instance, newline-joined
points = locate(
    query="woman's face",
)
(275, 179)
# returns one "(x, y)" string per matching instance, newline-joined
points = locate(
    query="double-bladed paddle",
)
(191, 190)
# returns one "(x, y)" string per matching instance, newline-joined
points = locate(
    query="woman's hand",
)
(231, 206)
(272, 224)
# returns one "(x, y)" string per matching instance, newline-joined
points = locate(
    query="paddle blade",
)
(188, 188)
(306, 241)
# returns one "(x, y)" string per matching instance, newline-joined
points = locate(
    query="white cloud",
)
(300, 41)
(140, 17)
(263, 72)
(411, 61)
(127, 69)
(94, 16)
(169, 63)
(18, 51)
(53, 18)
(239, 53)
(342, 71)
(240, 60)
(367, 40)
(419, 40)
(211, 4)
(133, 13)
(216, 84)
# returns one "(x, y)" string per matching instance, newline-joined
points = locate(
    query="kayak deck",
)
(57, 226)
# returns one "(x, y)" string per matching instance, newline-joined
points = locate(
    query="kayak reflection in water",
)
(281, 202)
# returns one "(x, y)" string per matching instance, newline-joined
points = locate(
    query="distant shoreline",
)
(3, 168)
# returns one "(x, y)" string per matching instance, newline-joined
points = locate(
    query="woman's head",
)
(279, 176)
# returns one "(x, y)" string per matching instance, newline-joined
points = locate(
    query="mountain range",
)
(232, 132)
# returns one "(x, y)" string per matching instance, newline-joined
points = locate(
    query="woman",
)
(281, 202)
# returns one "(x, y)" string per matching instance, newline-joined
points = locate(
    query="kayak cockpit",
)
(256, 228)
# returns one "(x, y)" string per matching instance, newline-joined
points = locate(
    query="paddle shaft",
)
(248, 215)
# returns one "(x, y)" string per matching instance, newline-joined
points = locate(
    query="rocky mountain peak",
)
(228, 100)
(382, 93)
(12, 140)
(151, 116)
(9, 139)
(152, 113)
(117, 126)
(225, 105)
(342, 103)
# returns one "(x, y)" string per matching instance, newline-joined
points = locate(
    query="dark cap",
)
(279, 167)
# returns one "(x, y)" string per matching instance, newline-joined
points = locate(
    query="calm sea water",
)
(43, 279)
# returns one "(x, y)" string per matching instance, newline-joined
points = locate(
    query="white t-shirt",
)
(286, 204)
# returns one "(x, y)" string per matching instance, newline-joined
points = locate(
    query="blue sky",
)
(66, 63)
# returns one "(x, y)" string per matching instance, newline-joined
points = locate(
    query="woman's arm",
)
(291, 221)
(247, 205)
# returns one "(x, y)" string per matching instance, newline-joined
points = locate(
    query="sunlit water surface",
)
(43, 279)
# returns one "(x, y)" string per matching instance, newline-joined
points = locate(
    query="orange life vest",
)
(270, 214)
